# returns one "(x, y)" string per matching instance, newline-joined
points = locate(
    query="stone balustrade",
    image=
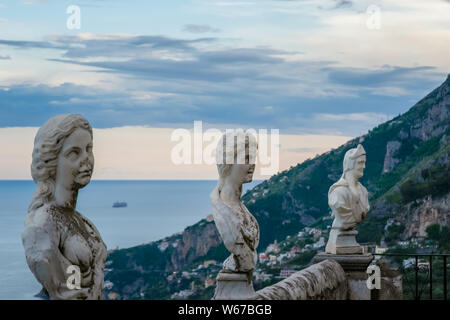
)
(321, 281)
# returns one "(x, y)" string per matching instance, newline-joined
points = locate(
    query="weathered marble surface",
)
(355, 267)
(237, 227)
(391, 282)
(349, 203)
(239, 231)
(322, 281)
(56, 236)
(349, 262)
(234, 286)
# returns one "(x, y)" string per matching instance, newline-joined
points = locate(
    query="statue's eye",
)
(73, 154)
(89, 149)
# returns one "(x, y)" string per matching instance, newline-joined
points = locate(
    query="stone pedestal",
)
(343, 242)
(234, 286)
(349, 262)
(355, 267)
(391, 283)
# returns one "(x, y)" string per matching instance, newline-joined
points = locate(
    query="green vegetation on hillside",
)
(298, 197)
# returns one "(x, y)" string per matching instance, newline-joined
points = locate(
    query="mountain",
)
(407, 175)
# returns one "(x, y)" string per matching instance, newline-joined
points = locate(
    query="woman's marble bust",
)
(349, 203)
(56, 236)
(238, 228)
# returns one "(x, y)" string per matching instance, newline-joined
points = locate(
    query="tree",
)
(433, 232)
(440, 234)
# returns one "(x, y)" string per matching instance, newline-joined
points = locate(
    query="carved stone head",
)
(62, 155)
(355, 162)
(236, 156)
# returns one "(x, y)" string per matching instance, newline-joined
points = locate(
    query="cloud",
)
(5, 57)
(164, 58)
(33, 44)
(199, 28)
(335, 4)
(387, 75)
(343, 4)
(88, 45)
(212, 66)
(160, 81)
(25, 105)
(366, 117)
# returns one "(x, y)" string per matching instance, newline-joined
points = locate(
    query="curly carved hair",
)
(47, 146)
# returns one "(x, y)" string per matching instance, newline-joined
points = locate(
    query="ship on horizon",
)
(119, 204)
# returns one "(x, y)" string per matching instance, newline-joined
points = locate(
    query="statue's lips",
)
(85, 173)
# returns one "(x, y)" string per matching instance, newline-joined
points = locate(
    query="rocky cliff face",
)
(421, 197)
(389, 160)
(427, 127)
(421, 213)
(195, 242)
(407, 175)
(133, 272)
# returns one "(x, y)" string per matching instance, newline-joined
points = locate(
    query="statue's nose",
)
(85, 164)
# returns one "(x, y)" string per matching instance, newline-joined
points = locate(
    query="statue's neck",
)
(66, 198)
(231, 193)
(351, 180)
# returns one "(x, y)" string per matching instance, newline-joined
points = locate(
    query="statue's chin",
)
(82, 182)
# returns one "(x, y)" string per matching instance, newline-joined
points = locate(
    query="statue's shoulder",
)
(339, 194)
(39, 218)
(39, 224)
(339, 189)
(39, 233)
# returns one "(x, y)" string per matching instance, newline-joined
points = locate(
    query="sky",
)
(320, 71)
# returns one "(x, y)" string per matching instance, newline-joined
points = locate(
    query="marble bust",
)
(57, 238)
(237, 227)
(348, 200)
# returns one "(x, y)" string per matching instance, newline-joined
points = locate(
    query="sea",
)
(155, 209)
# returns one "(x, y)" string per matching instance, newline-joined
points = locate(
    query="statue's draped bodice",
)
(239, 231)
(79, 242)
(348, 207)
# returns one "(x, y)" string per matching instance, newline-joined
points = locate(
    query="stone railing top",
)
(324, 280)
